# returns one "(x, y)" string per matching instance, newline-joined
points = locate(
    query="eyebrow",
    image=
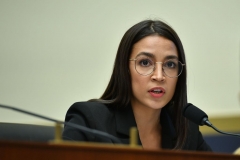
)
(153, 56)
(171, 57)
(146, 54)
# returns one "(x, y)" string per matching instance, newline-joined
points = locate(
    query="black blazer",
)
(118, 122)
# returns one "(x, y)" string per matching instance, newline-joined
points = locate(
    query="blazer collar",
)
(125, 120)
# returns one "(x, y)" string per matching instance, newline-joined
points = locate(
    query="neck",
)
(148, 124)
(147, 120)
(146, 117)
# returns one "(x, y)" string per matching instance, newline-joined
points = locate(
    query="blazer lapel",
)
(168, 130)
(124, 121)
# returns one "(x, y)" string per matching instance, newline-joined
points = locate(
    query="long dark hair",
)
(119, 91)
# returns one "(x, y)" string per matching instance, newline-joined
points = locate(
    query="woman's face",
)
(156, 89)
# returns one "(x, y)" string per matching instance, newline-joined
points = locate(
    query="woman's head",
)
(119, 90)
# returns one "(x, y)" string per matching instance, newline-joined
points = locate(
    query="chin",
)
(158, 105)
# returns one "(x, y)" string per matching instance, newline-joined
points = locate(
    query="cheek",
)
(173, 84)
(134, 80)
(138, 88)
(138, 82)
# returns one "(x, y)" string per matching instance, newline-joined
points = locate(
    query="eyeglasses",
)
(145, 66)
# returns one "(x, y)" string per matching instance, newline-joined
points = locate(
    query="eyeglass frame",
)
(155, 68)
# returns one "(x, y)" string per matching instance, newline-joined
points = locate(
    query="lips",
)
(157, 92)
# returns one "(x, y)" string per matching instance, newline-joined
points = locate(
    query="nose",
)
(158, 74)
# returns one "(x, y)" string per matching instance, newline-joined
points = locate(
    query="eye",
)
(145, 62)
(170, 64)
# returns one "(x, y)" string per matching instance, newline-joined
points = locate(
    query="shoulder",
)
(89, 110)
(92, 115)
(88, 106)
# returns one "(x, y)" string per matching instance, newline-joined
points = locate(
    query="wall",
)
(54, 53)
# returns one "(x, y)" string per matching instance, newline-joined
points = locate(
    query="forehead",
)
(157, 46)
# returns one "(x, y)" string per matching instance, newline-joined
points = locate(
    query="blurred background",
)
(54, 53)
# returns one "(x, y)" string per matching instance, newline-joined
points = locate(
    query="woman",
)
(147, 89)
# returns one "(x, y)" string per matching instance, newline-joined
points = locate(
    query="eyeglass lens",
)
(145, 66)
